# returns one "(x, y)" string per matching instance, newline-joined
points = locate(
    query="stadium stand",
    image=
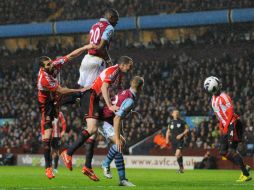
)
(26, 11)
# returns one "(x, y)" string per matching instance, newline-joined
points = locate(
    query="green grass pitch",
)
(25, 178)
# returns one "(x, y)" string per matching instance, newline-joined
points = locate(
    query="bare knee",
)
(92, 126)
(178, 153)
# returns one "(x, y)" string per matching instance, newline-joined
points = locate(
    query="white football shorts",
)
(90, 68)
(107, 130)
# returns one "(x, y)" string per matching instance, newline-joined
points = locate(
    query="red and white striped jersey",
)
(111, 75)
(56, 123)
(223, 107)
(47, 84)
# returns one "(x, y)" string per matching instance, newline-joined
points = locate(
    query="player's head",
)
(137, 83)
(212, 85)
(125, 63)
(46, 63)
(175, 114)
(112, 16)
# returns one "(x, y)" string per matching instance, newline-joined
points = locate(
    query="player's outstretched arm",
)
(79, 51)
(64, 90)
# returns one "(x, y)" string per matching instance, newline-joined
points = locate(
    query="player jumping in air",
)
(176, 131)
(231, 128)
(97, 59)
(90, 104)
(92, 65)
(48, 87)
(126, 100)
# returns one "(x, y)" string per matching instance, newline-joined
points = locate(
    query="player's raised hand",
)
(113, 108)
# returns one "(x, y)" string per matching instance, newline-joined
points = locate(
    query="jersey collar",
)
(105, 20)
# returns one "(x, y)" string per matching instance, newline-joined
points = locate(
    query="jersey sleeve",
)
(110, 75)
(59, 62)
(49, 83)
(108, 33)
(125, 107)
(108, 78)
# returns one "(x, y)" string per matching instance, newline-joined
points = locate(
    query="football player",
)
(231, 127)
(48, 87)
(93, 64)
(126, 100)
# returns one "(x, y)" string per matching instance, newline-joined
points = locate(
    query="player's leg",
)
(90, 109)
(179, 158)
(238, 133)
(50, 112)
(108, 132)
(56, 160)
(90, 150)
(83, 136)
(229, 150)
(46, 138)
(55, 152)
(87, 168)
(234, 156)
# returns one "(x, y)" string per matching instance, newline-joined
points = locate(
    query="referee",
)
(176, 131)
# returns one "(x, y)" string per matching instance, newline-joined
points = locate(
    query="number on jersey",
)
(94, 35)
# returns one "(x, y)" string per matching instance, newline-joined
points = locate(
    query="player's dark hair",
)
(112, 12)
(124, 60)
(42, 59)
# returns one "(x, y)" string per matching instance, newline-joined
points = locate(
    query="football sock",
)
(239, 160)
(180, 162)
(110, 156)
(230, 157)
(47, 152)
(78, 143)
(89, 152)
(56, 159)
(120, 166)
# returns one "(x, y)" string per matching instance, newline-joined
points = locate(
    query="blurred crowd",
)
(25, 11)
(173, 80)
